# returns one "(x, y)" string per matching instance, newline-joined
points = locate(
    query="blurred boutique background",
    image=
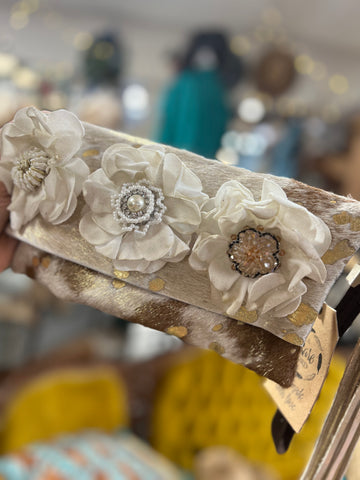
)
(271, 86)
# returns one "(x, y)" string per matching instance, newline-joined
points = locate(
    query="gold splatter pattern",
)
(156, 284)
(342, 218)
(77, 278)
(92, 152)
(246, 316)
(218, 327)
(116, 283)
(304, 315)
(341, 250)
(121, 275)
(355, 224)
(293, 338)
(35, 261)
(216, 347)
(177, 330)
(45, 262)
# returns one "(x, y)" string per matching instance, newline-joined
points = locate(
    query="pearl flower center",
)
(32, 167)
(254, 253)
(137, 206)
(136, 203)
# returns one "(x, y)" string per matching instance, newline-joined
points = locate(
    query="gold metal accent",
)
(92, 152)
(156, 285)
(216, 347)
(35, 261)
(177, 330)
(45, 262)
(116, 283)
(342, 218)
(293, 338)
(304, 315)
(121, 275)
(355, 224)
(218, 327)
(341, 250)
(77, 278)
(246, 316)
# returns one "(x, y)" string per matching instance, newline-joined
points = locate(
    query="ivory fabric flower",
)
(144, 205)
(257, 253)
(39, 165)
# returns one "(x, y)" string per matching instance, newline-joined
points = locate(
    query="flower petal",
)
(179, 181)
(221, 275)
(282, 297)
(182, 215)
(98, 190)
(91, 231)
(23, 207)
(152, 246)
(110, 249)
(207, 248)
(236, 295)
(262, 285)
(123, 163)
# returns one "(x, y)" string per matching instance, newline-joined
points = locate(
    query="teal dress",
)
(194, 113)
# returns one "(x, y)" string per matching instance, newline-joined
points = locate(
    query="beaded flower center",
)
(254, 253)
(138, 205)
(32, 166)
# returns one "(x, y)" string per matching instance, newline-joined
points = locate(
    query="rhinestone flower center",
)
(254, 253)
(138, 205)
(30, 170)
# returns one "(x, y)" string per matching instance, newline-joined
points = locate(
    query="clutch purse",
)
(221, 257)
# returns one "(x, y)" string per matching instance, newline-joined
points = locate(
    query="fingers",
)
(7, 249)
(4, 202)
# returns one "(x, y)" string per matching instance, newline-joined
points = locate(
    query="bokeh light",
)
(83, 40)
(338, 84)
(304, 64)
(135, 100)
(251, 110)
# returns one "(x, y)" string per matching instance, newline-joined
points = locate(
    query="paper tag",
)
(297, 401)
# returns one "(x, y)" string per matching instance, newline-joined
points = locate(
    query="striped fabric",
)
(93, 456)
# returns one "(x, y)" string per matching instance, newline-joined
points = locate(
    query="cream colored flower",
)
(144, 206)
(257, 253)
(39, 167)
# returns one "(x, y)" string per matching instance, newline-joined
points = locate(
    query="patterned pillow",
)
(92, 456)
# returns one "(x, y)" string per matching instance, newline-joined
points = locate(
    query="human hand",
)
(7, 244)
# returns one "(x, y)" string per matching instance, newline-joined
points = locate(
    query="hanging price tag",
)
(297, 401)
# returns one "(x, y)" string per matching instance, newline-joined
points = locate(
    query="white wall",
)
(48, 37)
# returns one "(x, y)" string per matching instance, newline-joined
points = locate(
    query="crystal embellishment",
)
(254, 253)
(32, 166)
(138, 205)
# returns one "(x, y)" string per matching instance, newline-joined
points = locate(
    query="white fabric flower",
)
(39, 167)
(144, 206)
(257, 253)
